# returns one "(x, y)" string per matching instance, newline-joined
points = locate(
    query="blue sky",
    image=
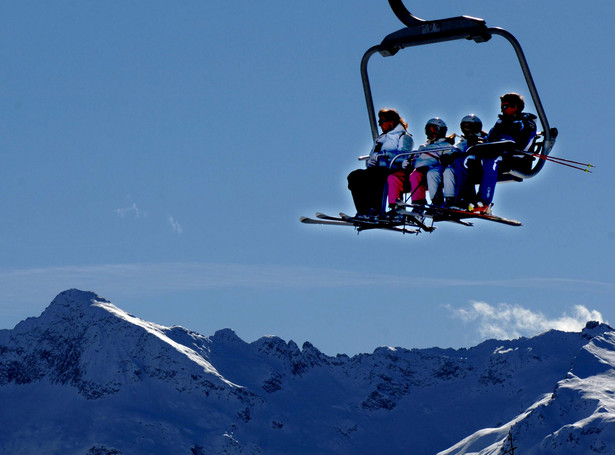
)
(160, 155)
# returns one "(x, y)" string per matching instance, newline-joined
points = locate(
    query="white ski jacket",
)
(388, 145)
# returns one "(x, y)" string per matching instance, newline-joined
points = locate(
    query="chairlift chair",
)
(420, 32)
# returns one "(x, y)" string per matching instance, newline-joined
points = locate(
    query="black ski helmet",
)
(474, 123)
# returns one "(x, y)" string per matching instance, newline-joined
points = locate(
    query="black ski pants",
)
(368, 188)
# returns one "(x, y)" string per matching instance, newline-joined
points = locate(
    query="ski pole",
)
(565, 162)
(557, 158)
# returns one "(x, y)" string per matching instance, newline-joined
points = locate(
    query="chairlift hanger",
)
(419, 32)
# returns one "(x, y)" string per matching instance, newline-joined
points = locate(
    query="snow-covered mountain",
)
(87, 378)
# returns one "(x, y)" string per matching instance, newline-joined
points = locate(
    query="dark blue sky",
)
(160, 155)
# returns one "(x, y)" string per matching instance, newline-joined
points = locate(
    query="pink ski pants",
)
(398, 184)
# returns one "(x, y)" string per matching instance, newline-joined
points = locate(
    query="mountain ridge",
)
(182, 392)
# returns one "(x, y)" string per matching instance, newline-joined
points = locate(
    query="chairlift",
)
(420, 32)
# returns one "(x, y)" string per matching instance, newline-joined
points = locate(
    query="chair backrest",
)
(522, 162)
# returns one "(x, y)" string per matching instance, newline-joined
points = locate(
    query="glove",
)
(405, 164)
(473, 139)
(445, 160)
(448, 158)
(372, 161)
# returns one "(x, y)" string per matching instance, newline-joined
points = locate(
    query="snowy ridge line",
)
(497, 435)
(158, 331)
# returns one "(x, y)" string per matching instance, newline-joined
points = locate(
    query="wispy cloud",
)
(175, 225)
(33, 287)
(506, 321)
(562, 284)
(132, 210)
(142, 278)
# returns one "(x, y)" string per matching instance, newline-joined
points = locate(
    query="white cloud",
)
(175, 225)
(133, 209)
(506, 321)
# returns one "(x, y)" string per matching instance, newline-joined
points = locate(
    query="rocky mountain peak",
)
(84, 341)
(97, 376)
(595, 328)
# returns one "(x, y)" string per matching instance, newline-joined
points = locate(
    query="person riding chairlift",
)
(513, 125)
(465, 169)
(426, 166)
(367, 185)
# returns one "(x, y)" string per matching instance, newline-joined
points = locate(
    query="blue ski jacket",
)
(521, 129)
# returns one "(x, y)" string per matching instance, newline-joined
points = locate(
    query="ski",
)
(372, 221)
(323, 216)
(361, 224)
(381, 223)
(415, 219)
(455, 214)
(485, 216)
(431, 212)
(307, 220)
(386, 224)
(411, 215)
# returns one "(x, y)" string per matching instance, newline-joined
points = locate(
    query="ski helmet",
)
(474, 123)
(436, 125)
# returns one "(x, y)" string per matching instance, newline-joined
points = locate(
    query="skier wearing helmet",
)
(471, 132)
(428, 167)
(465, 170)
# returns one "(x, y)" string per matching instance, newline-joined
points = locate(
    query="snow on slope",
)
(578, 417)
(87, 378)
(96, 369)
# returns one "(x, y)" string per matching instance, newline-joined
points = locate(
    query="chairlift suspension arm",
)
(402, 13)
(549, 133)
